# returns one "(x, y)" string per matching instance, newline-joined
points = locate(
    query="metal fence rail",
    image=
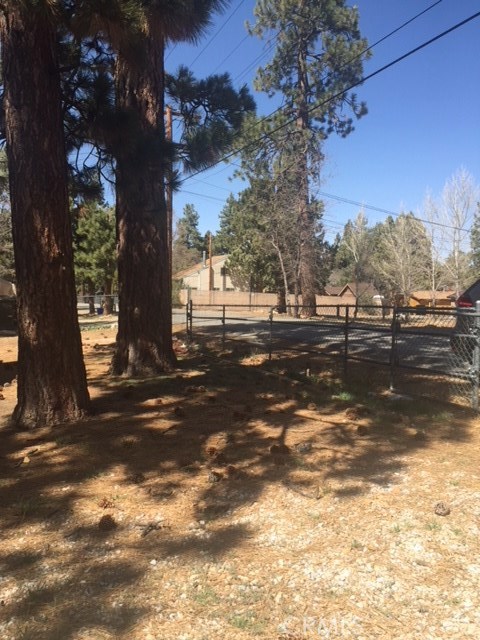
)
(433, 352)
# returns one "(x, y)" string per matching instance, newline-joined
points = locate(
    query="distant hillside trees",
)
(405, 253)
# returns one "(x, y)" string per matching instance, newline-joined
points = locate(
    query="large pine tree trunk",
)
(307, 250)
(52, 384)
(144, 339)
(306, 223)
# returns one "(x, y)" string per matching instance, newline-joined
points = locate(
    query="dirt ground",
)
(239, 499)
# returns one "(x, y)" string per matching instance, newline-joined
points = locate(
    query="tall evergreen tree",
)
(95, 251)
(244, 233)
(319, 54)
(52, 384)
(139, 31)
(188, 243)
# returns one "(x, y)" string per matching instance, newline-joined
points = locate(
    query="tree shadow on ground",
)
(212, 437)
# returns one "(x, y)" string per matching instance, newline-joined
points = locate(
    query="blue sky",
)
(424, 113)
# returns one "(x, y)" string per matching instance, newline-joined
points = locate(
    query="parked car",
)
(463, 339)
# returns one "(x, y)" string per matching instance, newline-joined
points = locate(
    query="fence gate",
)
(465, 350)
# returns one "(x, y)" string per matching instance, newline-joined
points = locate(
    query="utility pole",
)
(169, 113)
(168, 189)
(210, 262)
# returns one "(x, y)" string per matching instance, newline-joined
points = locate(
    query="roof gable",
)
(200, 266)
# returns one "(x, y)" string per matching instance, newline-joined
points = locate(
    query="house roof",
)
(333, 291)
(427, 294)
(360, 287)
(190, 271)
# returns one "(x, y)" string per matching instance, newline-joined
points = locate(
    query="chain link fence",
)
(430, 352)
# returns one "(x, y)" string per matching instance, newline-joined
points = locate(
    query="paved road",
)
(427, 350)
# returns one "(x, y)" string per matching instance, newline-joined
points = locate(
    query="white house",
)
(202, 277)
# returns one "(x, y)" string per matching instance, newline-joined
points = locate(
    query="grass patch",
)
(249, 623)
(206, 597)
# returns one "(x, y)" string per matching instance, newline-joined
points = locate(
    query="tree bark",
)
(306, 224)
(52, 385)
(144, 339)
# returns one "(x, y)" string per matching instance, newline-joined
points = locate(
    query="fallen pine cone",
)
(442, 509)
(105, 503)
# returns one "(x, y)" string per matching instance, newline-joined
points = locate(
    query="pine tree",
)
(319, 54)
(188, 243)
(95, 251)
(243, 232)
(139, 31)
(52, 384)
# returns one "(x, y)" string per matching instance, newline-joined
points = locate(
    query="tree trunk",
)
(52, 385)
(108, 297)
(282, 292)
(306, 222)
(144, 339)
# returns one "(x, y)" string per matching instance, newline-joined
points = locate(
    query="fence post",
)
(190, 318)
(270, 321)
(223, 326)
(476, 358)
(393, 348)
(345, 353)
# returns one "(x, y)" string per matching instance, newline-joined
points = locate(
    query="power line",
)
(204, 195)
(362, 53)
(402, 26)
(371, 207)
(271, 45)
(222, 26)
(340, 93)
(337, 198)
(171, 51)
(231, 52)
(214, 186)
(257, 59)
